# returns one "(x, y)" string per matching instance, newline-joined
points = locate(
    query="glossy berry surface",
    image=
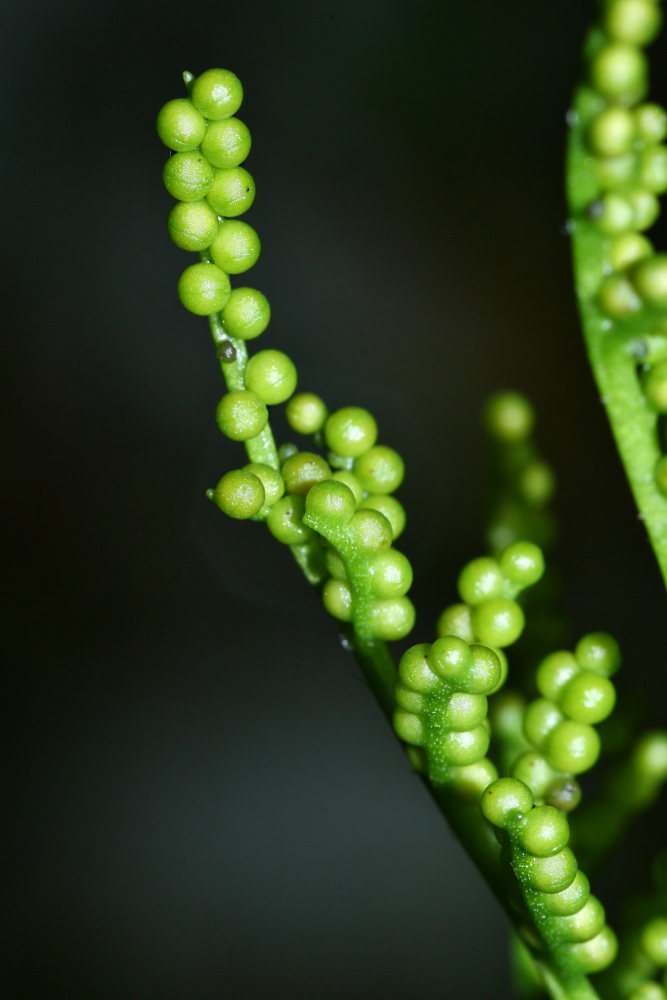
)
(203, 289)
(239, 494)
(241, 415)
(187, 176)
(226, 143)
(180, 126)
(231, 192)
(379, 470)
(192, 225)
(351, 431)
(235, 247)
(285, 521)
(271, 375)
(303, 470)
(217, 94)
(246, 314)
(306, 413)
(389, 507)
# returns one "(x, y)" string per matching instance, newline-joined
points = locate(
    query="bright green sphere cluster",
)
(442, 705)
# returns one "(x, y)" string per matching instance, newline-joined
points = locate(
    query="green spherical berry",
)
(410, 700)
(570, 900)
(247, 314)
(653, 168)
(597, 953)
(480, 580)
(484, 674)
(456, 620)
(648, 991)
(393, 618)
(612, 214)
(564, 794)
(505, 800)
(226, 143)
(612, 132)
(303, 470)
(235, 248)
(329, 499)
(187, 176)
(203, 289)
(504, 670)
(272, 376)
(598, 651)
(653, 940)
(650, 756)
(285, 521)
(337, 599)
(306, 413)
(554, 672)
(537, 483)
(390, 573)
(192, 225)
(635, 22)
(451, 658)
(351, 431)
(239, 494)
(180, 126)
(532, 768)
(509, 416)
(651, 122)
(588, 697)
(617, 297)
(241, 415)
(572, 747)
(217, 93)
(350, 480)
(390, 507)
(470, 781)
(611, 171)
(464, 711)
(552, 874)
(544, 831)
(371, 530)
(585, 923)
(271, 480)
(461, 748)
(618, 72)
(649, 278)
(645, 207)
(415, 669)
(522, 563)
(628, 249)
(498, 622)
(654, 385)
(379, 470)
(232, 192)
(409, 727)
(542, 716)
(286, 451)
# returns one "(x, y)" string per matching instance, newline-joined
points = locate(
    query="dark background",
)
(201, 797)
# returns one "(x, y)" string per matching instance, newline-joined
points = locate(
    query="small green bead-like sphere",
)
(236, 247)
(649, 278)
(598, 651)
(392, 618)
(187, 176)
(498, 622)
(653, 169)
(232, 192)
(217, 93)
(554, 672)
(306, 413)
(484, 675)
(585, 923)
(415, 669)
(464, 711)
(544, 831)
(612, 214)
(651, 122)
(239, 494)
(572, 747)
(618, 73)
(351, 431)
(653, 940)
(532, 768)
(456, 620)
(286, 451)
(570, 900)
(328, 499)
(648, 991)
(505, 800)
(409, 727)
(522, 563)
(180, 126)
(303, 470)
(192, 225)
(649, 757)
(552, 874)
(597, 953)
(541, 718)
(479, 580)
(537, 483)
(564, 794)
(247, 314)
(379, 470)
(410, 700)
(241, 415)
(451, 658)
(628, 249)
(461, 748)
(272, 376)
(226, 143)
(610, 171)
(617, 297)
(285, 521)
(504, 670)
(390, 574)
(350, 480)
(654, 385)
(388, 506)
(645, 208)
(661, 475)
(508, 416)
(588, 697)
(203, 289)
(271, 480)
(337, 599)
(370, 530)
(635, 22)
(470, 781)
(612, 132)
(335, 565)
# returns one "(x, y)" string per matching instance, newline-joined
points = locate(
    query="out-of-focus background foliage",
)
(201, 797)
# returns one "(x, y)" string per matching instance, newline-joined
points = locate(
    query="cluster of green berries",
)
(441, 699)
(651, 948)
(576, 694)
(205, 174)
(550, 892)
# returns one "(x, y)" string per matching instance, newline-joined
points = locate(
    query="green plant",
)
(503, 765)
